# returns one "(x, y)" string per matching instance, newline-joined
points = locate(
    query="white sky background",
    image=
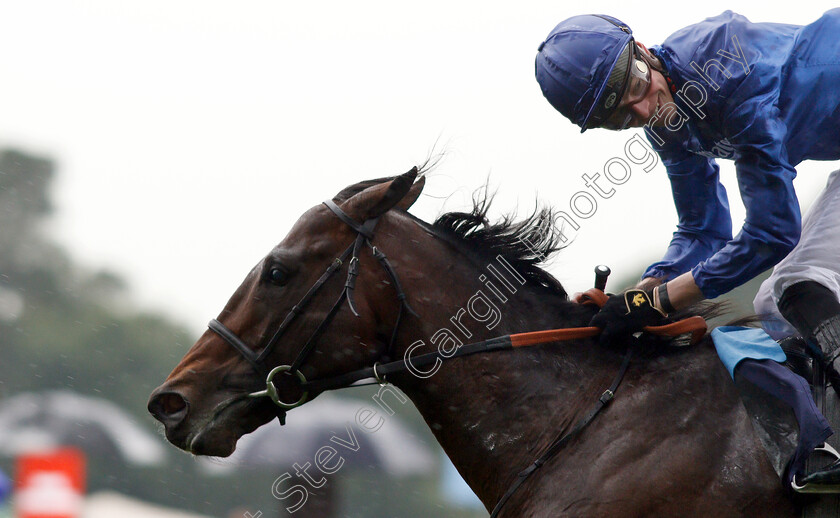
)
(189, 136)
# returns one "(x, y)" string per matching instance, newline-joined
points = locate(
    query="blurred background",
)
(133, 134)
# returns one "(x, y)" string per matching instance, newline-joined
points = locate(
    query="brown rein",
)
(695, 325)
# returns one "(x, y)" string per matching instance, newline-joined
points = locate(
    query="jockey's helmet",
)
(583, 66)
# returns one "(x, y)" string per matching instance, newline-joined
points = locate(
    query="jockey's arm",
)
(682, 291)
(772, 224)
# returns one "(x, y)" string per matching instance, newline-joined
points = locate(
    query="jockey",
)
(762, 94)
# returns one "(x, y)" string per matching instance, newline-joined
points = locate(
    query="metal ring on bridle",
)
(271, 391)
(380, 379)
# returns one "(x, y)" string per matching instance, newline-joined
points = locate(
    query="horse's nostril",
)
(168, 407)
(172, 403)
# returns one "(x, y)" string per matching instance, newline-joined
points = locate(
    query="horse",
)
(676, 440)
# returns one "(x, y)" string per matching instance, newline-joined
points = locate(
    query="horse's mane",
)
(524, 243)
(528, 242)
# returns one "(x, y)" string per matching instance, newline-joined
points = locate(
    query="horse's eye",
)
(277, 276)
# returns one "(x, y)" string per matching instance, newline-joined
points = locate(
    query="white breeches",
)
(815, 258)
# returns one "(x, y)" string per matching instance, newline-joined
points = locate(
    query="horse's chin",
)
(206, 444)
(218, 436)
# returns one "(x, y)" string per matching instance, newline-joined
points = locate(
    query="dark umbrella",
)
(330, 421)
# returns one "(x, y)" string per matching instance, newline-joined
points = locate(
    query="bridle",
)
(364, 235)
(385, 364)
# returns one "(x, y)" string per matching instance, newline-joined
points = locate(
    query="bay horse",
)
(676, 441)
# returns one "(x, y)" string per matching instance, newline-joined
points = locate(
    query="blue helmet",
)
(583, 66)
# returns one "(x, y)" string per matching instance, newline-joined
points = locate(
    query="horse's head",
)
(289, 313)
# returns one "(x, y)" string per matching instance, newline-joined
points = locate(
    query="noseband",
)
(364, 235)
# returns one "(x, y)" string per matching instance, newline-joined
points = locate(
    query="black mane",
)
(524, 244)
(527, 243)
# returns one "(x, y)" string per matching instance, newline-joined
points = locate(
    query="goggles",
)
(636, 90)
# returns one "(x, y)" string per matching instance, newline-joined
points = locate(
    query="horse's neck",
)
(493, 412)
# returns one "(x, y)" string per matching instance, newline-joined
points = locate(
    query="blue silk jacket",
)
(765, 95)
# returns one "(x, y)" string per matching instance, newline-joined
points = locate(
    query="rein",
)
(695, 325)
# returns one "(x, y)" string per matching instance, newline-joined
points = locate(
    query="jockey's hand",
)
(625, 314)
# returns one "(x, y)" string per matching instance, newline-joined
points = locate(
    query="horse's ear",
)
(350, 191)
(413, 193)
(378, 199)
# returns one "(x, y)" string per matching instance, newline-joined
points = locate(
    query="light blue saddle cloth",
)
(734, 343)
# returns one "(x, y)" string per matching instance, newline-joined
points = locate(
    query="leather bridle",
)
(364, 235)
(386, 365)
